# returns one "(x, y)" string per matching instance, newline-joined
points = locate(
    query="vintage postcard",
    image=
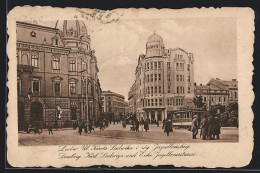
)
(130, 87)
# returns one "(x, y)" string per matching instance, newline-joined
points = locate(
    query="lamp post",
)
(29, 95)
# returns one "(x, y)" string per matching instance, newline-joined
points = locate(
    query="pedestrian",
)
(168, 127)
(146, 125)
(90, 127)
(137, 125)
(124, 124)
(36, 130)
(163, 123)
(80, 129)
(194, 127)
(217, 127)
(204, 127)
(50, 129)
(212, 128)
(85, 128)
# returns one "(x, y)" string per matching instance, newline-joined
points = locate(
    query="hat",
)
(195, 116)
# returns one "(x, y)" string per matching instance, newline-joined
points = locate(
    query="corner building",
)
(164, 81)
(56, 71)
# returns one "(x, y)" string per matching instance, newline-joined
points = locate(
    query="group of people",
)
(209, 125)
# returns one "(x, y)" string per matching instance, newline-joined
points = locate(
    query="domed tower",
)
(74, 34)
(154, 46)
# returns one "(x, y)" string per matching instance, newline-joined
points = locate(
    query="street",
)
(115, 134)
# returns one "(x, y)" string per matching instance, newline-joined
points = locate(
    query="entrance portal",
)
(36, 111)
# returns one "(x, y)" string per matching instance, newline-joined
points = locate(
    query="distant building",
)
(164, 81)
(113, 105)
(56, 73)
(218, 92)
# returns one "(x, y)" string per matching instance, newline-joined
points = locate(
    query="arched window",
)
(72, 65)
(72, 86)
(56, 63)
(24, 59)
(34, 60)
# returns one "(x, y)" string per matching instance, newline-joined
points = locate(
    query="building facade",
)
(57, 73)
(113, 105)
(164, 81)
(218, 92)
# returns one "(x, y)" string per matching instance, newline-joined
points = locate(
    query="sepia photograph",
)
(126, 80)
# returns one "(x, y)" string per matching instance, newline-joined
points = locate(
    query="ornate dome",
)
(72, 28)
(155, 38)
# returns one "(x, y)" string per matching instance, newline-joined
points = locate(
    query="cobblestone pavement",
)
(115, 134)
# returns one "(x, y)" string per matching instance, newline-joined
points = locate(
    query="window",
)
(177, 78)
(189, 90)
(151, 90)
(188, 78)
(160, 102)
(72, 65)
(151, 77)
(84, 66)
(151, 102)
(181, 66)
(156, 102)
(155, 77)
(168, 76)
(159, 65)
(155, 65)
(219, 99)
(72, 88)
(57, 89)
(34, 60)
(159, 77)
(148, 102)
(56, 63)
(188, 67)
(212, 99)
(205, 99)
(159, 90)
(33, 34)
(168, 65)
(169, 89)
(177, 66)
(155, 89)
(151, 65)
(147, 66)
(224, 99)
(36, 85)
(235, 94)
(148, 90)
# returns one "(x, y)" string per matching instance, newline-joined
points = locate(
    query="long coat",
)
(212, 126)
(194, 125)
(146, 125)
(168, 126)
(204, 126)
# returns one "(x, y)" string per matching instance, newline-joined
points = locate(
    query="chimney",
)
(234, 80)
(195, 84)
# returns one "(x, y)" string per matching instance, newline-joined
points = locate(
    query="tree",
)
(198, 102)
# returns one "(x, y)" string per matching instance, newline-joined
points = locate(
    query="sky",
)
(117, 46)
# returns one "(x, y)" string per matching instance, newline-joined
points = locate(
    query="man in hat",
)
(204, 127)
(194, 127)
(168, 127)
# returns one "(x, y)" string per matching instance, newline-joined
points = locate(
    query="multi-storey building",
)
(164, 80)
(132, 100)
(113, 105)
(56, 73)
(218, 92)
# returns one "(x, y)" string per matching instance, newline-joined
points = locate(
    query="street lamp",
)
(29, 95)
